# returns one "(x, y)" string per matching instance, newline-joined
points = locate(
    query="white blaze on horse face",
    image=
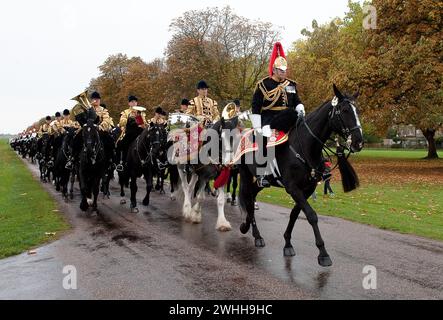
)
(357, 119)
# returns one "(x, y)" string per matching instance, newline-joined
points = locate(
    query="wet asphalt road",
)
(156, 255)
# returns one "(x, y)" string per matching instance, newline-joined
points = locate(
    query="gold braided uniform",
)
(106, 123)
(204, 109)
(159, 120)
(44, 129)
(124, 117)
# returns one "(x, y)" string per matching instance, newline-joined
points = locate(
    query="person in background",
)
(327, 175)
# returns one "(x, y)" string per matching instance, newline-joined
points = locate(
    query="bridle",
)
(334, 116)
(97, 146)
(335, 113)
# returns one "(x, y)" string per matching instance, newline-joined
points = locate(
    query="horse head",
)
(345, 121)
(158, 142)
(91, 140)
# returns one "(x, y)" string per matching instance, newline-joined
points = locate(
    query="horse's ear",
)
(337, 92)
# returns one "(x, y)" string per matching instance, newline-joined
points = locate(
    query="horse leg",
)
(222, 224)
(247, 196)
(234, 188)
(71, 190)
(134, 189)
(196, 212)
(95, 192)
(162, 182)
(323, 258)
(288, 250)
(187, 191)
(148, 178)
(122, 188)
(84, 205)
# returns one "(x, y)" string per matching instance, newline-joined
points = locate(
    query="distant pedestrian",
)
(327, 175)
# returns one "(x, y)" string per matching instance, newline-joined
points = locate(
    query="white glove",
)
(267, 131)
(300, 110)
(256, 122)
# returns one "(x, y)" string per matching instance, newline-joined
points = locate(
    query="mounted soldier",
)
(44, 128)
(202, 107)
(273, 95)
(159, 117)
(135, 116)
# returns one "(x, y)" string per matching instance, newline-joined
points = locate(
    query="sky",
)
(50, 50)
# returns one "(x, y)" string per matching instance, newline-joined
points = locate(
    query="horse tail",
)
(349, 177)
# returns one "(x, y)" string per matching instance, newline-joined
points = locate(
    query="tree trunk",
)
(432, 147)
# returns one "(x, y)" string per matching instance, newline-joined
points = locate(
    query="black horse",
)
(63, 173)
(300, 163)
(92, 162)
(132, 131)
(147, 156)
(44, 153)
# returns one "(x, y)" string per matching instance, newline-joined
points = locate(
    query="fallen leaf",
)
(23, 194)
(31, 252)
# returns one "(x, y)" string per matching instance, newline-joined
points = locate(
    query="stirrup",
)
(120, 168)
(262, 182)
(68, 165)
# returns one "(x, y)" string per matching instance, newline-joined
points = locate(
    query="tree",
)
(229, 51)
(405, 65)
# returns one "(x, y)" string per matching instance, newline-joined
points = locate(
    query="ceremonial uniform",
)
(271, 97)
(139, 116)
(44, 129)
(204, 108)
(158, 120)
(105, 121)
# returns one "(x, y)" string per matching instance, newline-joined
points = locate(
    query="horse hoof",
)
(162, 191)
(244, 228)
(71, 195)
(122, 201)
(173, 198)
(134, 210)
(90, 202)
(260, 243)
(289, 252)
(224, 228)
(84, 207)
(57, 188)
(145, 202)
(325, 261)
(234, 203)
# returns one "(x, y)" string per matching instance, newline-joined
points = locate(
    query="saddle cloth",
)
(247, 145)
(187, 149)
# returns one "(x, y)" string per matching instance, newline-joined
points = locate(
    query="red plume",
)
(276, 52)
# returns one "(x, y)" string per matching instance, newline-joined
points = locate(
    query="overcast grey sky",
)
(51, 49)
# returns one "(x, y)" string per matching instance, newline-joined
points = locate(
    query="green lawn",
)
(27, 212)
(392, 154)
(409, 209)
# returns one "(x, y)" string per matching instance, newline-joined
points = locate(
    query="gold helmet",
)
(281, 63)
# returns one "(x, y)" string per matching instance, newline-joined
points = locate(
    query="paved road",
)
(156, 255)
